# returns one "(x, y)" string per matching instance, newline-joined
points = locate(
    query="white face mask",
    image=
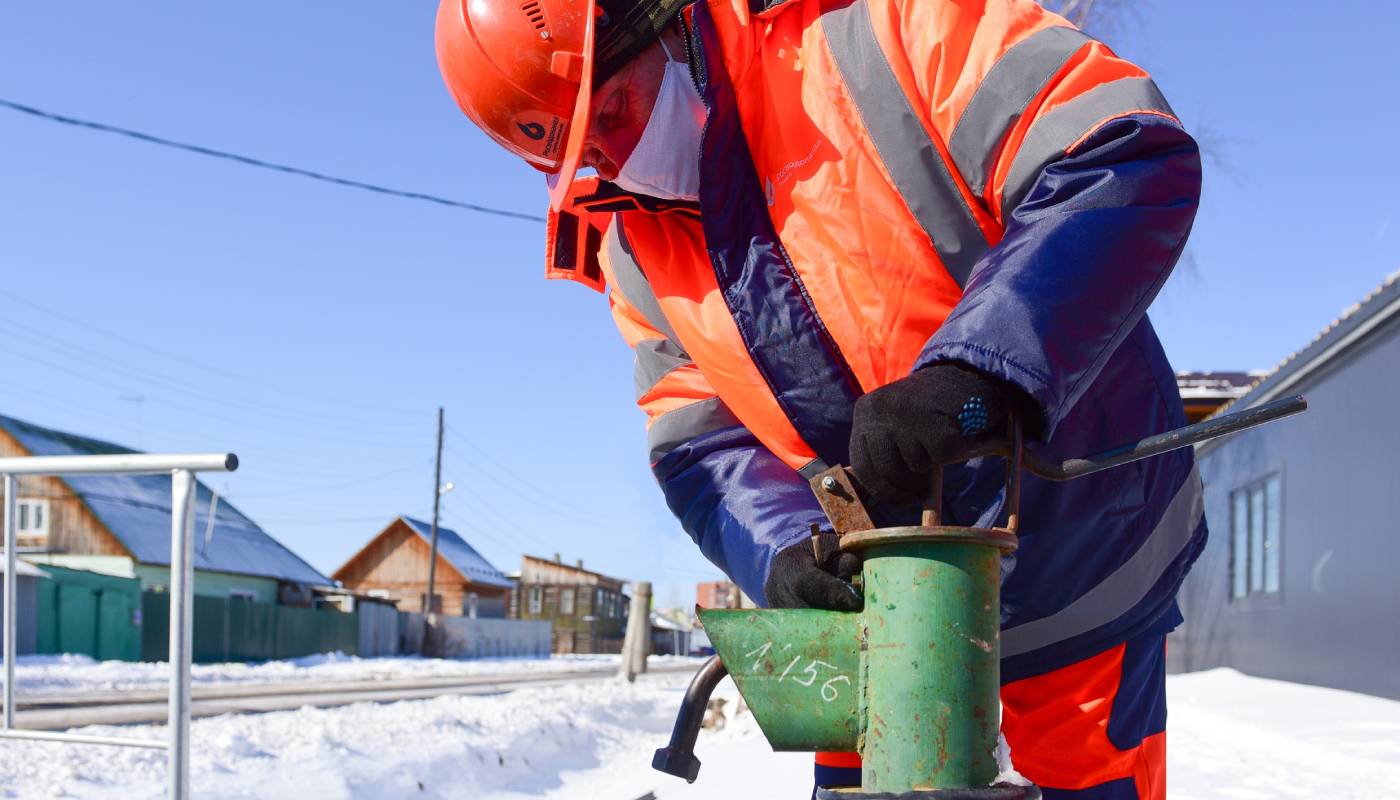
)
(666, 161)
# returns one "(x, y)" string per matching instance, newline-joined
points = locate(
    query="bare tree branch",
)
(1098, 17)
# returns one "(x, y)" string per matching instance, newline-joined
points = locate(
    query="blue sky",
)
(315, 329)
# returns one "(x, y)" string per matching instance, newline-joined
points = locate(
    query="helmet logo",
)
(534, 130)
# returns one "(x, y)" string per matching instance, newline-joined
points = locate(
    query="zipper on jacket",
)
(692, 54)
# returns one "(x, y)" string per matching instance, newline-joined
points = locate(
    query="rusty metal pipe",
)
(678, 757)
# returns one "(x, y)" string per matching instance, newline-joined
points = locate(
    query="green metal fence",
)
(90, 614)
(235, 629)
(111, 619)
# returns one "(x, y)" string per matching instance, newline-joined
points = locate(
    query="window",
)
(469, 605)
(536, 599)
(33, 517)
(566, 602)
(242, 594)
(1255, 537)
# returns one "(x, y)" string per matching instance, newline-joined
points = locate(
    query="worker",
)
(867, 232)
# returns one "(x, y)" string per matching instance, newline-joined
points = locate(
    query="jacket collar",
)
(609, 197)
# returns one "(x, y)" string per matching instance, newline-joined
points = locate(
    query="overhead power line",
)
(208, 364)
(257, 162)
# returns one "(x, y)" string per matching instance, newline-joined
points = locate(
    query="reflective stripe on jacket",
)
(890, 184)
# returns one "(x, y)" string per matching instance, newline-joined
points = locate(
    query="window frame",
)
(535, 599)
(1260, 584)
(24, 512)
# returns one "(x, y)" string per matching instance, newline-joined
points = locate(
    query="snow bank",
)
(1232, 737)
(72, 673)
(591, 740)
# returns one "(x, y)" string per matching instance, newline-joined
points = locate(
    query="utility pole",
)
(636, 642)
(437, 498)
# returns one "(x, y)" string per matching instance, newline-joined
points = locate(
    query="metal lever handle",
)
(1163, 442)
(678, 757)
(838, 498)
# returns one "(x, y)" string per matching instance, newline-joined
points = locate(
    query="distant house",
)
(1298, 580)
(120, 525)
(670, 633)
(721, 594)
(394, 566)
(587, 609)
(1204, 393)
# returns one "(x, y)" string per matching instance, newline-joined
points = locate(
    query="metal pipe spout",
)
(678, 757)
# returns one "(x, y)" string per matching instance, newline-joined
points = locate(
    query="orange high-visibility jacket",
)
(887, 184)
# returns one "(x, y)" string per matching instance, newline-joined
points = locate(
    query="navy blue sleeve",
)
(1084, 254)
(739, 502)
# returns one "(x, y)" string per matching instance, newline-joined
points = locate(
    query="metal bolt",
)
(829, 483)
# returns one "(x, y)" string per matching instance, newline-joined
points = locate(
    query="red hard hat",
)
(523, 71)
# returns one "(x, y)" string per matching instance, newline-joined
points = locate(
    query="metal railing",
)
(182, 469)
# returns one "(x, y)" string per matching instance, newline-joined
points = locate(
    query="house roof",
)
(557, 563)
(462, 556)
(136, 510)
(1206, 386)
(23, 568)
(659, 620)
(1382, 304)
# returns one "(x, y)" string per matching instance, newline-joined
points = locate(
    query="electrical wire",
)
(460, 521)
(198, 364)
(262, 412)
(484, 505)
(341, 485)
(385, 518)
(260, 461)
(302, 433)
(257, 162)
(536, 494)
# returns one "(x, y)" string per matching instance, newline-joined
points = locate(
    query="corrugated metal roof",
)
(1354, 322)
(459, 554)
(136, 510)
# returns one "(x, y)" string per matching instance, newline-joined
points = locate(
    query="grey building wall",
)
(1336, 619)
(462, 637)
(27, 620)
(379, 629)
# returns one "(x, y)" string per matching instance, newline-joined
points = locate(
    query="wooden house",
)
(394, 566)
(587, 609)
(721, 594)
(120, 525)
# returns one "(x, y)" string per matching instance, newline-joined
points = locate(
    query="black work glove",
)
(796, 580)
(901, 431)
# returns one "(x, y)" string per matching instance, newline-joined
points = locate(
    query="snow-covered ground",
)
(1231, 736)
(75, 673)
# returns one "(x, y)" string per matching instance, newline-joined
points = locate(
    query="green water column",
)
(930, 657)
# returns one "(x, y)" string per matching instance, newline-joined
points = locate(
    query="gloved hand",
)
(796, 580)
(901, 431)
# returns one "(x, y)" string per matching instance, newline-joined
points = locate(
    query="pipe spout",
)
(678, 757)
